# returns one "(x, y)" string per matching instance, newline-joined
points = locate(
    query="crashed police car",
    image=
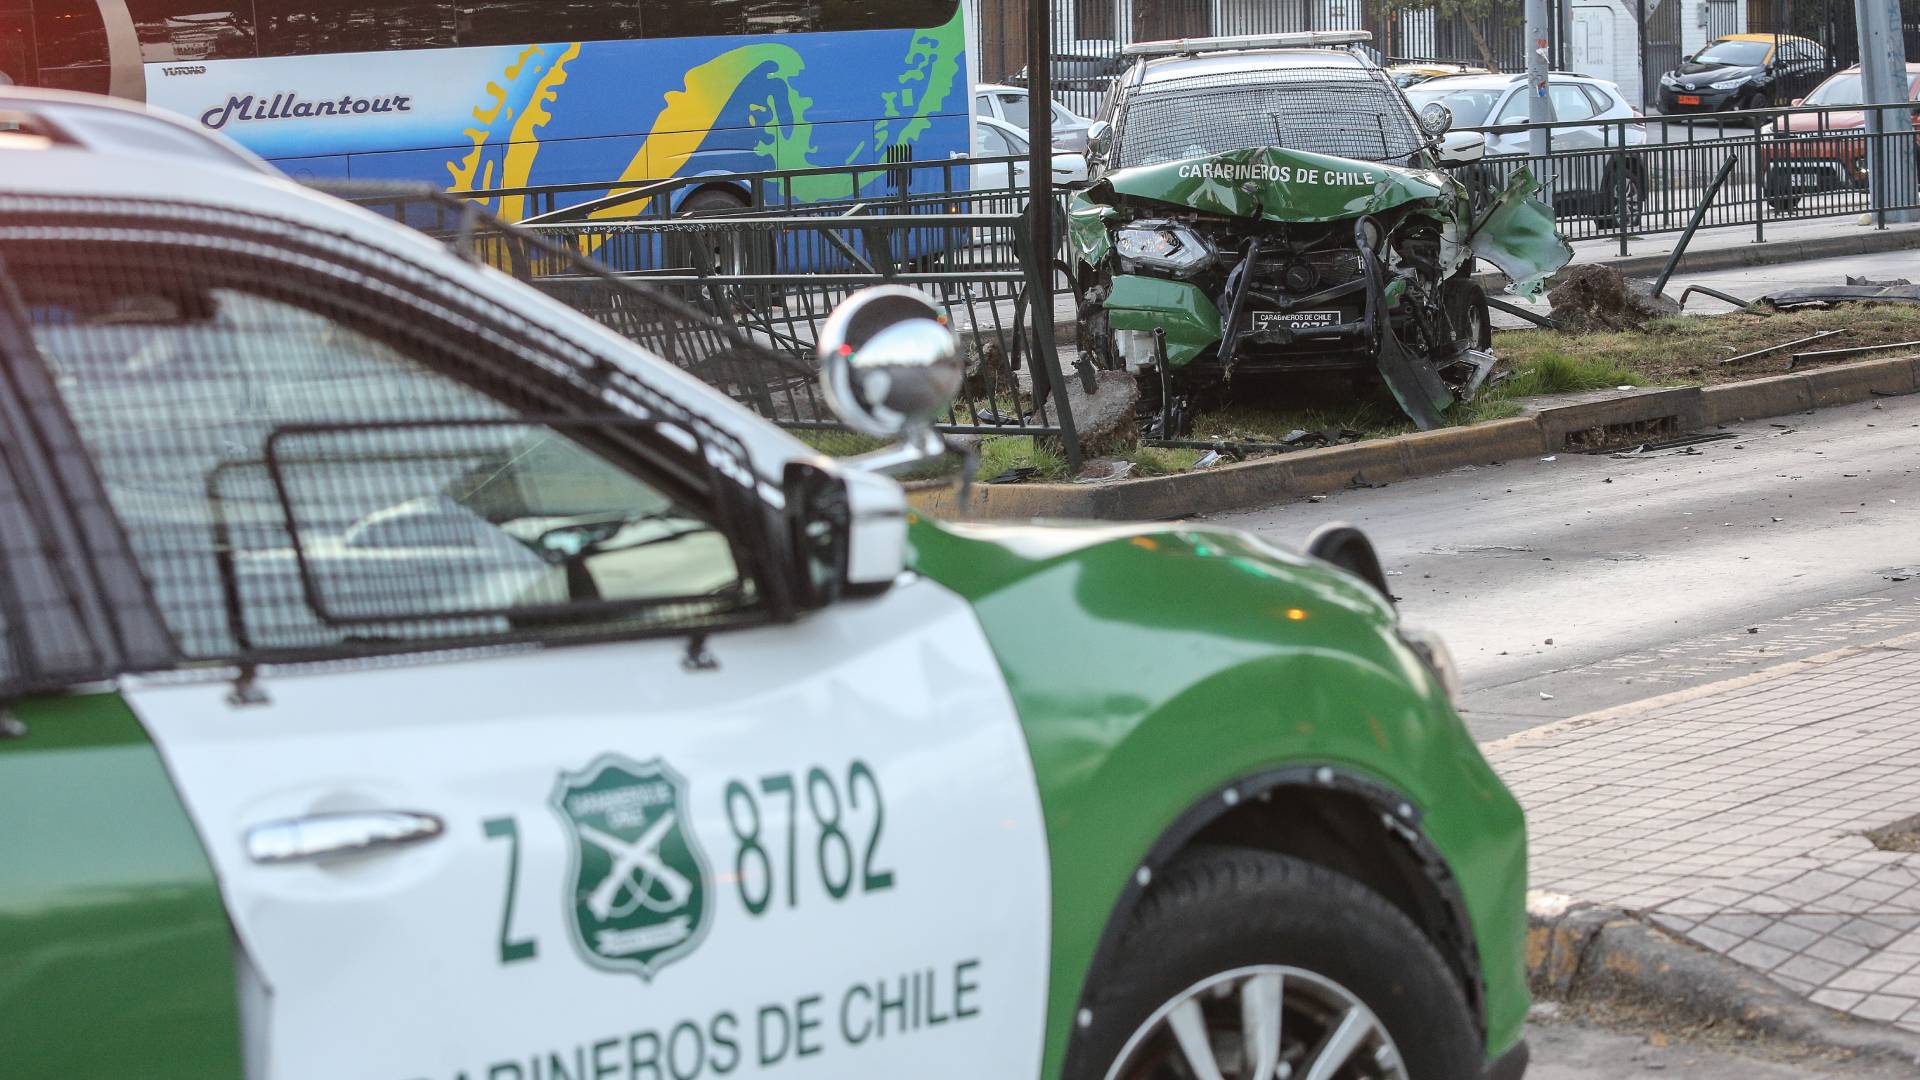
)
(408, 677)
(1272, 206)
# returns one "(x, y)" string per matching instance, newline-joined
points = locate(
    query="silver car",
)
(1010, 105)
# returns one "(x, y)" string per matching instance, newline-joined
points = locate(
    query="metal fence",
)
(772, 268)
(1789, 165)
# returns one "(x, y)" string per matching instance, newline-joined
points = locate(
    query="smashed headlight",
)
(1162, 245)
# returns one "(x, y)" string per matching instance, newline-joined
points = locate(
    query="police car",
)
(408, 678)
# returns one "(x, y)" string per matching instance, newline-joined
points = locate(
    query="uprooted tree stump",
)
(1598, 298)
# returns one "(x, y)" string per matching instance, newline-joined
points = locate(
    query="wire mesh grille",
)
(1344, 112)
(310, 458)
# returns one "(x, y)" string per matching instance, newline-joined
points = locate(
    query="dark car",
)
(1743, 71)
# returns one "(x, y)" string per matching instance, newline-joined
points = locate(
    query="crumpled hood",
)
(1276, 184)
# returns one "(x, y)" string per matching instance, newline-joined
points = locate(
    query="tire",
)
(1779, 192)
(1229, 919)
(1635, 196)
(1465, 304)
(726, 256)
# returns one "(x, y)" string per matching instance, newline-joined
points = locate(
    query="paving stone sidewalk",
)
(1732, 815)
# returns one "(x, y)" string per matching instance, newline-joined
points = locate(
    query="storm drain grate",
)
(1649, 443)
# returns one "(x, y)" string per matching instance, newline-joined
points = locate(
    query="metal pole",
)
(1046, 358)
(1539, 108)
(1693, 223)
(1884, 80)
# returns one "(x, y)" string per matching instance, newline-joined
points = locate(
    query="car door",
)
(506, 761)
(1580, 171)
(993, 141)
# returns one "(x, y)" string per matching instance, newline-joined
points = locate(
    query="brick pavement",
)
(1732, 815)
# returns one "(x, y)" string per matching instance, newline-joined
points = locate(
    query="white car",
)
(999, 139)
(1011, 105)
(1588, 184)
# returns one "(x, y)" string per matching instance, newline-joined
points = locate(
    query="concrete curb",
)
(1583, 953)
(1567, 428)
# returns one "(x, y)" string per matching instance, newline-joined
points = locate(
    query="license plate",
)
(1689, 99)
(1294, 320)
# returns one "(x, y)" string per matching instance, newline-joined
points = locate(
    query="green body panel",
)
(1279, 185)
(1517, 235)
(1183, 309)
(1087, 231)
(116, 958)
(1168, 664)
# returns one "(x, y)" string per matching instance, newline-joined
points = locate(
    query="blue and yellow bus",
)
(487, 94)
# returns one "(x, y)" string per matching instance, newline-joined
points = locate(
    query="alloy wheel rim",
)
(1263, 1022)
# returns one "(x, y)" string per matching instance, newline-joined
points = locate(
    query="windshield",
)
(1342, 112)
(1734, 53)
(1839, 90)
(1470, 107)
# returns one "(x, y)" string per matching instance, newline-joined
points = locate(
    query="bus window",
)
(522, 22)
(678, 18)
(174, 30)
(71, 45)
(307, 27)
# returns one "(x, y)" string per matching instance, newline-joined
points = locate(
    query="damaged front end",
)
(1273, 261)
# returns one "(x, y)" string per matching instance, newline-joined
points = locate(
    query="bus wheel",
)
(1248, 963)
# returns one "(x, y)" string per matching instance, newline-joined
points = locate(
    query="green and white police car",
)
(407, 678)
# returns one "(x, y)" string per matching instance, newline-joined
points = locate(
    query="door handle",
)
(319, 836)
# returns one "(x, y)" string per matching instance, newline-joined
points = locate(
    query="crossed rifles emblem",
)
(637, 869)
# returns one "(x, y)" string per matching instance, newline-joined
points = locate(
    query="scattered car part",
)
(1783, 345)
(1840, 354)
(1841, 294)
(1535, 318)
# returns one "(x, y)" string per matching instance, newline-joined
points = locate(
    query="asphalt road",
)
(1573, 583)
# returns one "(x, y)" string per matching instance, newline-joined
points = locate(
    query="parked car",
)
(1277, 210)
(1009, 104)
(1743, 71)
(1419, 71)
(1590, 185)
(997, 139)
(1084, 66)
(734, 759)
(1805, 153)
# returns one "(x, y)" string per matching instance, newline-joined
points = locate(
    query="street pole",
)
(1883, 80)
(1539, 109)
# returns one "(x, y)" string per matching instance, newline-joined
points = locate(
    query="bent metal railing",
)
(774, 275)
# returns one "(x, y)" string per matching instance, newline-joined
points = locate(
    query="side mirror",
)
(1099, 141)
(1436, 119)
(889, 364)
(1461, 148)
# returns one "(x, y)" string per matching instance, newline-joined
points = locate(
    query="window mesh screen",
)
(1344, 112)
(185, 357)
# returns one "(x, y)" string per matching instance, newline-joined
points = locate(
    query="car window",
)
(1839, 90)
(989, 141)
(1601, 102)
(1569, 103)
(1013, 108)
(1336, 111)
(296, 470)
(1470, 107)
(1514, 110)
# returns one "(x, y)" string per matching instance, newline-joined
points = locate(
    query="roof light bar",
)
(1304, 39)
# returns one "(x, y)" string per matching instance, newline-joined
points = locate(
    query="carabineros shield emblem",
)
(637, 900)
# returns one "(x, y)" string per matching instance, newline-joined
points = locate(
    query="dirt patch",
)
(1902, 835)
(1689, 349)
(1596, 297)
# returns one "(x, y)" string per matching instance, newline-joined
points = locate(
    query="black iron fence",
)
(1616, 179)
(772, 267)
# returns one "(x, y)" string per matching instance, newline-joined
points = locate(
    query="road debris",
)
(1837, 354)
(1828, 295)
(1785, 345)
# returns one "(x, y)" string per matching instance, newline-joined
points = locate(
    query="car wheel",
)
(1626, 198)
(1780, 192)
(1465, 303)
(1246, 963)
